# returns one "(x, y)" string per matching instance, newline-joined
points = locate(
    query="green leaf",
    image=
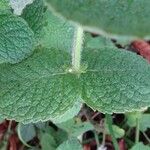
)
(38, 88)
(69, 114)
(58, 33)
(41, 87)
(144, 120)
(140, 146)
(132, 118)
(59, 135)
(4, 6)
(17, 41)
(75, 127)
(117, 17)
(96, 42)
(71, 144)
(34, 15)
(48, 142)
(26, 133)
(115, 80)
(118, 132)
(19, 5)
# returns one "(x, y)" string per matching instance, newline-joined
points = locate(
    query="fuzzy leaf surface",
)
(38, 88)
(17, 40)
(115, 81)
(111, 16)
(4, 6)
(34, 15)
(58, 33)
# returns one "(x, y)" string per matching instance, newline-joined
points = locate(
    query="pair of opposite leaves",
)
(41, 87)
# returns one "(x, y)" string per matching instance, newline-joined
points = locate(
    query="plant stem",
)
(96, 138)
(137, 130)
(109, 122)
(104, 133)
(9, 127)
(77, 48)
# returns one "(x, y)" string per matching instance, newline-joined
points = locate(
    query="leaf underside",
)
(111, 16)
(17, 39)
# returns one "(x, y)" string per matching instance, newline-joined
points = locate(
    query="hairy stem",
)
(77, 48)
(109, 122)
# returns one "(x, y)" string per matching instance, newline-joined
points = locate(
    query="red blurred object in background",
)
(143, 48)
(122, 145)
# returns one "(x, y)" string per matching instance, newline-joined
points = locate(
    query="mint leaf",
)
(34, 15)
(69, 114)
(114, 17)
(115, 80)
(17, 41)
(59, 135)
(48, 142)
(75, 127)
(4, 6)
(132, 118)
(118, 132)
(26, 133)
(71, 144)
(97, 42)
(144, 120)
(140, 146)
(58, 33)
(38, 88)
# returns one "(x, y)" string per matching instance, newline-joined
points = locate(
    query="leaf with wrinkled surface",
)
(115, 17)
(38, 88)
(69, 114)
(34, 16)
(42, 88)
(17, 40)
(4, 6)
(115, 80)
